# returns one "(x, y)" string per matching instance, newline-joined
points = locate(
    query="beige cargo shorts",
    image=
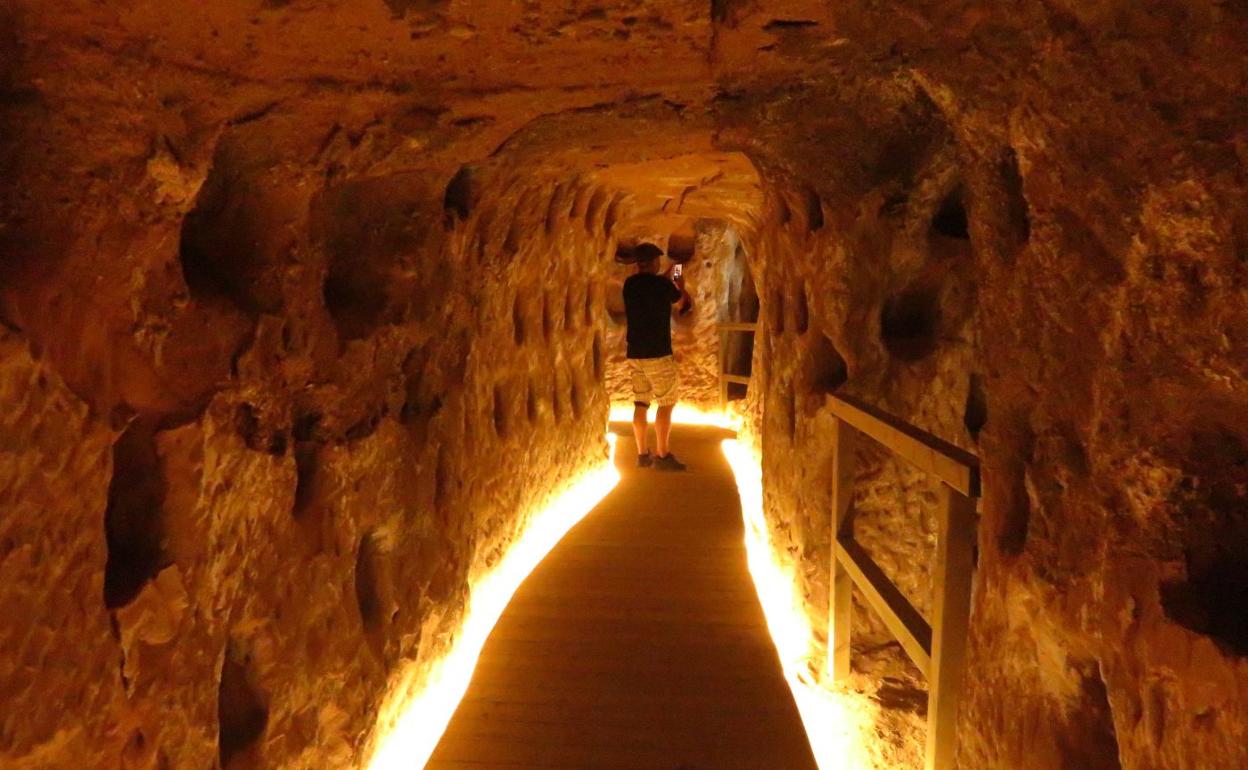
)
(655, 380)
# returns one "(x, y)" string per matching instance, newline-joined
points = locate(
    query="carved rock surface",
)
(304, 302)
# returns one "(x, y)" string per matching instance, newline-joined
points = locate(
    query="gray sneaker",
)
(669, 463)
(645, 461)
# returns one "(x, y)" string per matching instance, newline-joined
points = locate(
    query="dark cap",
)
(647, 252)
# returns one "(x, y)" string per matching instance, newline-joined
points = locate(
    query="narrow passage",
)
(638, 643)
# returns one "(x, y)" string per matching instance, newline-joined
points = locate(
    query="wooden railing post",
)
(938, 649)
(951, 612)
(840, 585)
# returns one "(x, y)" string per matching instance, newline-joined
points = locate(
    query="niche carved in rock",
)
(557, 208)
(784, 214)
(1210, 501)
(1091, 742)
(307, 465)
(951, 220)
(461, 195)
(134, 516)
(519, 327)
(368, 592)
(814, 211)
(613, 213)
(580, 204)
(596, 204)
(1018, 216)
(975, 414)
(828, 370)
(368, 230)
(910, 322)
(242, 713)
(515, 235)
(230, 249)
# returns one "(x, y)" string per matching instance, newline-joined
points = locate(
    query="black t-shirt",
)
(648, 300)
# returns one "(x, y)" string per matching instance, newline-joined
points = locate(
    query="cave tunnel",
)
(315, 445)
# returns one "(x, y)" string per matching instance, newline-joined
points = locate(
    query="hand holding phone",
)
(677, 271)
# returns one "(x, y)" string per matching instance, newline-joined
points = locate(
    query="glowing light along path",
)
(414, 724)
(838, 724)
(683, 414)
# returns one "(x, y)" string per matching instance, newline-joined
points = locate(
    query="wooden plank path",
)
(638, 644)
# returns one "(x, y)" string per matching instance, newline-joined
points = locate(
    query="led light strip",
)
(684, 414)
(839, 724)
(412, 723)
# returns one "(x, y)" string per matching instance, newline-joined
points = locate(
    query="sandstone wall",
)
(269, 413)
(1081, 336)
(303, 301)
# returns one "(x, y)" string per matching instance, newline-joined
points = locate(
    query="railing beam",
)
(903, 620)
(956, 467)
(938, 649)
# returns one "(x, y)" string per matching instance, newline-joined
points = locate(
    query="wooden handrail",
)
(903, 620)
(938, 648)
(955, 467)
(738, 326)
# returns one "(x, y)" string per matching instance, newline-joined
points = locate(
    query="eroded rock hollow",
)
(305, 302)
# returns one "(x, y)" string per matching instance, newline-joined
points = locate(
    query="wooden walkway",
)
(638, 644)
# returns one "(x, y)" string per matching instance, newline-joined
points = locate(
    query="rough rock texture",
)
(257, 543)
(304, 301)
(1080, 326)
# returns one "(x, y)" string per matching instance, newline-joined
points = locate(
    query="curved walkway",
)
(638, 644)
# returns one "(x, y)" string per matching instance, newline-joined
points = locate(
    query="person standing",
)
(648, 300)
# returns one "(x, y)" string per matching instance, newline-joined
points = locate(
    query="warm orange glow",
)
(839, 722)
(411, 723)
(684, 414)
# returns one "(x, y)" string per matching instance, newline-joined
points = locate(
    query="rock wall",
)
(303, 301)
(267, 422)
(880, 306)
(1055, 283)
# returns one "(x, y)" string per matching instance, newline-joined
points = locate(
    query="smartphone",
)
(676, 271)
